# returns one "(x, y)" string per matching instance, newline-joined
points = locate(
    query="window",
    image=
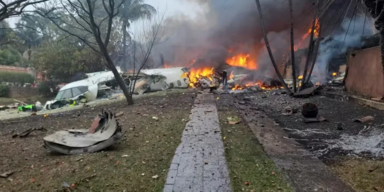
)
(67, 94)
(59, 95)
(76, 91)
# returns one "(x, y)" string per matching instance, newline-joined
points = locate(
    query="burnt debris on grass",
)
(138, 162)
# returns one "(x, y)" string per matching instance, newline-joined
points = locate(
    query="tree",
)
(269, 48)
(62, 59)
(15, 7)
(94, 23)
(292, 48)
(150, 34)
(130, 11)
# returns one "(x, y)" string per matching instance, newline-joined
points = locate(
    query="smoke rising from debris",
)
(229, 27)
(336, 44)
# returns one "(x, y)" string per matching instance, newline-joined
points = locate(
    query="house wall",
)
(365, 73)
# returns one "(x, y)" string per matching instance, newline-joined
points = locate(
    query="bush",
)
(16, 77)
(4, 90)
(44, 88)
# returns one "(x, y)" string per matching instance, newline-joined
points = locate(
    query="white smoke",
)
(337, 44)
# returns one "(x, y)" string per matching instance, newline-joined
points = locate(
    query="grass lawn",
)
(362, 174)
(28, 100)
(247, 161)
(139, 162)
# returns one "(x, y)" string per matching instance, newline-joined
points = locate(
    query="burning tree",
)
(9, 8)
(94, 23)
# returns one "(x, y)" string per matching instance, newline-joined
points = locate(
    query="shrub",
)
(16, 77)
(4, 90)
(44, 88)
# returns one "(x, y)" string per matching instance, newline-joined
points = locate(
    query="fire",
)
(334, 74)
(231, 76)
(306, 35)
(237, 87)
(242, 60)
(194, 75)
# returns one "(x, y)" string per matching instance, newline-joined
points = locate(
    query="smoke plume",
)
(336, 44)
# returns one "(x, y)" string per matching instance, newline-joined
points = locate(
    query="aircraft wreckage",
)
(104, 132)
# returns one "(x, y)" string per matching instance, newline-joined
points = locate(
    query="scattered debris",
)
(233, 120)
(155, 177)
(290, 110)
(155, 118)
(27, 132)
(374, 169)
(119, 114)
(107, 132)
(309, 110)
(364, 119)
(125, 156)
(314, 120)
(377, 98)
(6, 174)
(307, 92)
(65, 185)
(246, 183)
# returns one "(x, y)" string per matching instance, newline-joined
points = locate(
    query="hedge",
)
(4, 90)
(16, 77)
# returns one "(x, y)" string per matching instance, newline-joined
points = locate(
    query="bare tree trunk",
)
(310, 50)
(315, 53)
(125, 46)
(120, 81)
(292, 48)
(269, 48)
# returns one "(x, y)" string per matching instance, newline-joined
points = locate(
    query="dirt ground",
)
(350, 152)
(130, 165)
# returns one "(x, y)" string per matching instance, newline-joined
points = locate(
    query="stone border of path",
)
(302, 170)
(199, 163)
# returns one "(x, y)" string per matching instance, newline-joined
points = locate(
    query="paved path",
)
(199, 162)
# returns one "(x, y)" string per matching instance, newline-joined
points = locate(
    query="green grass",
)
(247, 161)
(146, 150)
(361, 174)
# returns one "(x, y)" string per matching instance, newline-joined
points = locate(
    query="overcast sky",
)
(173, 7)
(167, 7)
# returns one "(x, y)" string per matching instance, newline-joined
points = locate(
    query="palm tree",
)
(132, 10)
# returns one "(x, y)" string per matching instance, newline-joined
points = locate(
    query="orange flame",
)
(305, 36)
(194, 75)
(242, 60)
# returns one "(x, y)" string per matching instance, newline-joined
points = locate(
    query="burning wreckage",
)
(102, 84)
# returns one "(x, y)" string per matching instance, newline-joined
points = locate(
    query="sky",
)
(173, 7)
(167, 7)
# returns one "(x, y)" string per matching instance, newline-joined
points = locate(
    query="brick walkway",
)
(199, 162)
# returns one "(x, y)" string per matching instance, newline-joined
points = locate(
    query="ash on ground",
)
(338, 136)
